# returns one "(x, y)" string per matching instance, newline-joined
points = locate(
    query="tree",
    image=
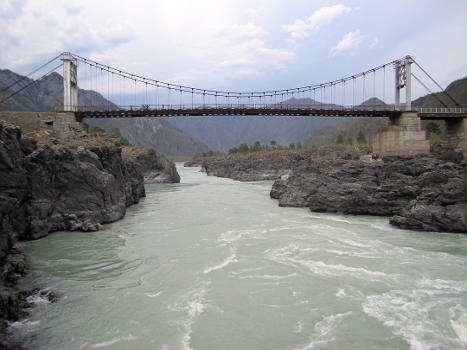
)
(361, 139)
(115, 133)
(433, 129)
(349, 140)
(292, 146)
(256, 147)
(243, 148)
(340, 139)
(273, 144)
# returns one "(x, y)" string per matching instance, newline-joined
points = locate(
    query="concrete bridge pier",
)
(403, 136)
(456, 134)
(67, 121)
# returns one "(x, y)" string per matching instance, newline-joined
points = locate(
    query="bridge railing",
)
(441, 110)
(282, 106)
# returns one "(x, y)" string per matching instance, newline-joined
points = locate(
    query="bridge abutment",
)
(67, 121)
(456, 135)
(403, 136)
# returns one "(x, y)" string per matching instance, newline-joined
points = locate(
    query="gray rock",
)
(420, 193)
(154, 166)
(50, 185)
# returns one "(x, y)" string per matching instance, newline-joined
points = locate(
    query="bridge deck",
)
(173, 112)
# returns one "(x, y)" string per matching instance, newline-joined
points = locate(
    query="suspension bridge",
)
(108, 92)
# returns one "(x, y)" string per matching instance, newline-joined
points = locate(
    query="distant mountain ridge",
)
(221, 132)
(457, 90)
(42, 95)
(45, 95)
(156, 133)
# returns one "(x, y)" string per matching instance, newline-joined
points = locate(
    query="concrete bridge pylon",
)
(70, 82)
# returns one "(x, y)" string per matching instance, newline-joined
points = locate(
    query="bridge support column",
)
(456, 134)
(67, 121)
(404, 136)
(70, 82)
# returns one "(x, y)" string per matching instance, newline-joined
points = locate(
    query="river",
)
(211, 263)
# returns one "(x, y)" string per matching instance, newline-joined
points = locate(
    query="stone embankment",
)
(416, 192)
(50, 182)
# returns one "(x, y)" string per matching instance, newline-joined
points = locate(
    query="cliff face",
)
(13, 188)
(48, 185)
(78, 186)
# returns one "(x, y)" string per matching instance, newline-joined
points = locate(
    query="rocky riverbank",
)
(420, 193)
(50, 182)
(270, 165)
(416, 192)
(154, 166)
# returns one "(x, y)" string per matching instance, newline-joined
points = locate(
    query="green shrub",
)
(96, 130)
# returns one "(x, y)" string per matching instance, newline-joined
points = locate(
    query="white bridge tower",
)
(403, 79)
(70, 82)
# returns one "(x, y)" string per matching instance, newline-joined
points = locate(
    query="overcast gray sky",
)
(238, 44)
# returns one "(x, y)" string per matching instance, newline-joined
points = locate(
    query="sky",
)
(239, 44)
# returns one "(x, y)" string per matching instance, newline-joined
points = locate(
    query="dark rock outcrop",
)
(48, 185)
(252, 167)
(154, 166)
(78, 186)
(421, 193)
(13, 187)
(272, 165)
(416, 192)
(194, 162)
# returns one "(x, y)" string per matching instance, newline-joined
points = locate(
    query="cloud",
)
(350, 41)
(242, 32)
(374, 43)
(254, 11)
(46, 28)
(10, 9)
(236, 51)
(299, 29)
(324, 16)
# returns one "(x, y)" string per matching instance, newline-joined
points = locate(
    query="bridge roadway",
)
(423, 113)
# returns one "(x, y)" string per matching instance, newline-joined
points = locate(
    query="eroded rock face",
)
(154, 166)
(421, 193)
(13, 187)
(48, 185)
(78, 186)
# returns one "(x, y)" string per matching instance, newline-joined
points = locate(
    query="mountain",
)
(45, 95)
(153, 132)
(457, 90)
(221, 133)
(224, 132)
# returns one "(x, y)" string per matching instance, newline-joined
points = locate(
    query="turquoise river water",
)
(211, 263)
